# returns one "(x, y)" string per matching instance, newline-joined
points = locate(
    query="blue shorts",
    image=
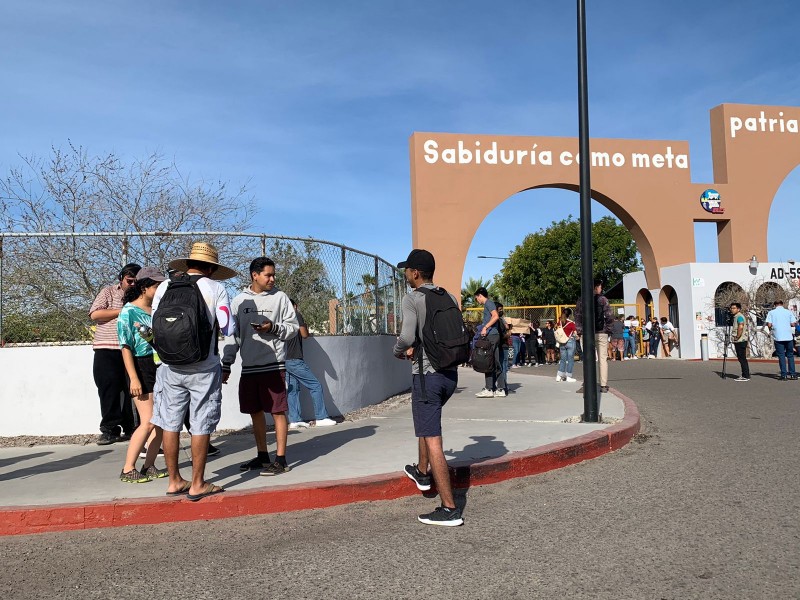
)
(200, 394)
(427, 412)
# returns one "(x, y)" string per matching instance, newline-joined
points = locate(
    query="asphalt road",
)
(703, 504)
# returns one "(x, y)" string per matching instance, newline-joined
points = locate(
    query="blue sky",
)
(312, 103)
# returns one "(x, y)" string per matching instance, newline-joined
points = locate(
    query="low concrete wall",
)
(50, 390)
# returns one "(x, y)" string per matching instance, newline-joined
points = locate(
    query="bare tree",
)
(54, 279)
(757, 300)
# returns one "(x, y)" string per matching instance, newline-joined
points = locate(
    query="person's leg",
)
(108, 392)
(501, 355)
(741, 355)
(171, 444)
(562, 365)
(199, 459)
(601, 340)
(423, 464)
(139, 437)
(780, 350)
(281, 433)
(293, 397)
(790, 358)
(568, 352)
(440, 471)
(260, 430)
(299, 370)
(125, 405)
(170, 404)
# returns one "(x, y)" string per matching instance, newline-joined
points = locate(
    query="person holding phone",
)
(264, 319)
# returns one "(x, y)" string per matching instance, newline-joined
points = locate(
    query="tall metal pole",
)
(590, 411)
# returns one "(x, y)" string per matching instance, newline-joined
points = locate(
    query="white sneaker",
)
(569, 379)
(326, 422)
(558, 376)
(500, 394)
(634, 358)
(625, 358)
(298, 425)
(484, 393)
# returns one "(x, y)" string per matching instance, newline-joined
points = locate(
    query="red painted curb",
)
(389, 486)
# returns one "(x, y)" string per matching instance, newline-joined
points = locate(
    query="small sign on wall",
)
(698, 282)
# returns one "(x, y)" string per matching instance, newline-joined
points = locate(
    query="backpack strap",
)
(421, 348)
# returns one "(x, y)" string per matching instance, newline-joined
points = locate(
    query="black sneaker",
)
(106, 438)
(212, 450)
(448, 517)
(143, 453)
(781, 378)
(604, 389)
(133, 476)
(793, 377)
(275, 468)
(254, 465)
(423, 480)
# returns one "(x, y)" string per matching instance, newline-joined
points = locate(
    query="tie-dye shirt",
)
(128, 334)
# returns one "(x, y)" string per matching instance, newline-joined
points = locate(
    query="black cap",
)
(421, 260)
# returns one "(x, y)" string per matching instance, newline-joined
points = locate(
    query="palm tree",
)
(468, 291)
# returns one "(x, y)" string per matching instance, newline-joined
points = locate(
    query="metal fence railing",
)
(542, 314)
(49, 280)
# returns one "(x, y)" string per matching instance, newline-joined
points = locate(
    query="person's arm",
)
(740, 327)
(100, 310)
(130, 367)
(232, 344)
(286, 325)
(404, 346)
(304, 331)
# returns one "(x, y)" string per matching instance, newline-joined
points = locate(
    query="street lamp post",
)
(590, 410)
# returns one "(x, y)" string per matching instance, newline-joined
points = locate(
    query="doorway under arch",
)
(726, 293)
(644, 304)
(668, 305)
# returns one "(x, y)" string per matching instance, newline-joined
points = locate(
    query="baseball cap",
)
(422, 260)
(150, 273)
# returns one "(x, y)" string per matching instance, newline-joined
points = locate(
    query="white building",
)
(687, 299)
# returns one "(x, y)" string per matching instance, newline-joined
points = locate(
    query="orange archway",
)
(457, 180)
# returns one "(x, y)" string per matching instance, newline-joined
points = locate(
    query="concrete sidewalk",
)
(476, 431)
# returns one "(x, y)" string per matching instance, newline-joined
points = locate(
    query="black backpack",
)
(483, 356)
(445, 337)
(599, 315)
(182, 333)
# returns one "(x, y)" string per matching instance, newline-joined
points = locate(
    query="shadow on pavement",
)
(57, 465)
(4, 462)
(299, 453)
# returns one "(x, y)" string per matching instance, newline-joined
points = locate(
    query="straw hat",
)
(207, 253)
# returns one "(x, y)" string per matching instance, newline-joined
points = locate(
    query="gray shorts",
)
(199, 393)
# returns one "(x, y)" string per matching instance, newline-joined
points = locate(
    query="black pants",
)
(741, 354)
(532, 347)
(112, 387)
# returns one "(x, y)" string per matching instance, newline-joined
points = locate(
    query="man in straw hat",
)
(196, 387)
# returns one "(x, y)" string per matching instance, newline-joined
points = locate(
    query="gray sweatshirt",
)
(260, 351)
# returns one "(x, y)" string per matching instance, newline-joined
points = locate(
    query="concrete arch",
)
(457, 180)
(644, 304)
(668, 304)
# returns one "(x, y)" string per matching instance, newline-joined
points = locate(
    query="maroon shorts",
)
(263, 391)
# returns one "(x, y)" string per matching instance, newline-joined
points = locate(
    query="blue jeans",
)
(785, 349)
(567, 362)
(298, 373)
(630, 346)
(517, 345)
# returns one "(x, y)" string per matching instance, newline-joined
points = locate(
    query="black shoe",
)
(212, 450)
(793, 377)
(423, 480)
(143, 453)
(125, 437)
(107, 438)
(604, 388)
(254, 465)
(275, 468)
(449, 517)
(782, 378)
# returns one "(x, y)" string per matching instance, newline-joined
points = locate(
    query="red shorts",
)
(263, 392)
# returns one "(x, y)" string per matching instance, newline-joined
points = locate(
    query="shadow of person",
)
(299, 453)
(72, 462)
(4, 462)
(486, 447)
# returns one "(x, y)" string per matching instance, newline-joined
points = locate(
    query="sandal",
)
(184, 489)
(210, 490)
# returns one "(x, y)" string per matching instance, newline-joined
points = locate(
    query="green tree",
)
(546, 267)
(303, 276)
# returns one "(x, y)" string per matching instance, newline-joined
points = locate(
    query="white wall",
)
(50, 390)
(695, 284)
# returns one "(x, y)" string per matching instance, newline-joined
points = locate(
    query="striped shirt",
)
(105, 335)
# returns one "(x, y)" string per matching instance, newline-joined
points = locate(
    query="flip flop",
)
(210, 490)
(184, 489)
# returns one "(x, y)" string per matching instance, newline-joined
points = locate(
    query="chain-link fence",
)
(49, 280)
(540, 315)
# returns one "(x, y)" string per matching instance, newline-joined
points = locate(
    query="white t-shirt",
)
(219, 306)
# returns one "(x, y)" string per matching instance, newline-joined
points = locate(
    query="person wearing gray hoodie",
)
(265, 319)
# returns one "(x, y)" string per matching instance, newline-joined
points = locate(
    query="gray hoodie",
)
(260, 351)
